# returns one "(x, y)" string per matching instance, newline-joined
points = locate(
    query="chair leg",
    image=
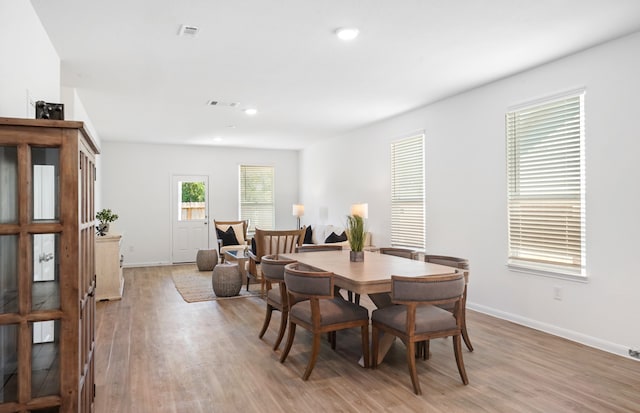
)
(411, 360)
(267, 320)
(287, 347)
(332, 339)
(457, 349)
(465, 335)
(374, 346)
(284, 317)
(425, 355)
(364, 331)
(315, 349)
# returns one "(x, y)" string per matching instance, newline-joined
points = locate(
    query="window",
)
(407, 193)
(545, 175)
(256, 196)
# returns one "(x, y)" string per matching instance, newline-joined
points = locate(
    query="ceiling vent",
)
(189, 31)
(227, 104)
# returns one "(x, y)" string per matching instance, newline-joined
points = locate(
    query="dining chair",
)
(269, 242)
(462, 264)
(398, 252)
(384, 299)
(313, 306)
(416, 316)
(276, 298)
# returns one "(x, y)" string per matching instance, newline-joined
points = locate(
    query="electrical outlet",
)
(131, 248)
(634, 353)
(557, 293)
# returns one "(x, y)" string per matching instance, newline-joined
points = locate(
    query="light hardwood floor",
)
(157, 353)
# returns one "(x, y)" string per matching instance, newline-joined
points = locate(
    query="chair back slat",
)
(435, 289)
(302, 282)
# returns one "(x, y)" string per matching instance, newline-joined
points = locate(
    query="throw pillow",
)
(333, 238)
(228, 237)
(308, 236)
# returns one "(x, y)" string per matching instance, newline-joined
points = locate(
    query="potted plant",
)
(105, 216)
(355, 235)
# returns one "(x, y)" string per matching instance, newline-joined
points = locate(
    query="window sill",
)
(546, 272)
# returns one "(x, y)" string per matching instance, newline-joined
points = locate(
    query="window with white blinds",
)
(256, 196)
(407, 193)
(545, 168)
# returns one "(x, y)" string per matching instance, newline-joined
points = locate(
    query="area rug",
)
(196, 286)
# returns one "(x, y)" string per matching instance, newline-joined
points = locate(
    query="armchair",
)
(232, 235)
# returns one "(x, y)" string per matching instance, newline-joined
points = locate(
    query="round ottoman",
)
(206, 259)
(226, 280)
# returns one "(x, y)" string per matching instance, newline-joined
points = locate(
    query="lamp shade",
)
(298, 210)
(361, 210)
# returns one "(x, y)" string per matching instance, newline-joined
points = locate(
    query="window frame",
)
(411, 232)
(546, 182)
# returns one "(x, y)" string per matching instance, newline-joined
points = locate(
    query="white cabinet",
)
(109, 279)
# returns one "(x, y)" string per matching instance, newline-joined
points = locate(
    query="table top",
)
(237, 254)
(373, 275)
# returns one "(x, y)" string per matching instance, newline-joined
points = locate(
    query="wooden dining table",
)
(371, 276)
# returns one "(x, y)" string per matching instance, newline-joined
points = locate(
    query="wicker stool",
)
(206, 259)
(226, 280)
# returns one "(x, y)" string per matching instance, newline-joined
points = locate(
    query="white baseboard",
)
(555, 330)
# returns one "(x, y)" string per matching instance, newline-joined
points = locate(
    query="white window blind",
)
(256, 196)
(407, 193)
(545, 167)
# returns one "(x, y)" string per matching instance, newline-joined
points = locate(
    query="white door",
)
(189, 207)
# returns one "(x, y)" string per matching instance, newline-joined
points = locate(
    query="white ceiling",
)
(140, 82)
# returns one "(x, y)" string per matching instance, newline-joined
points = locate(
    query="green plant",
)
(355, 232)
(105, 216)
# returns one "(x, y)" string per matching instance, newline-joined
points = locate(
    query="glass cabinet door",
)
(46, 183)
(8, 184)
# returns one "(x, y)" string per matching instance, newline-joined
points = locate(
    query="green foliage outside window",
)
(193, 192)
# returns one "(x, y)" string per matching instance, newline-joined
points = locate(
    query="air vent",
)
(186, 30)
(227, 104)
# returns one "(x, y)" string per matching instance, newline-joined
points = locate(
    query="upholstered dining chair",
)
(384, 299)
(462, 264)
(232, 235)
(270, 242)
(314, 307)
(398, 252)
(277, 298)
(417, 317)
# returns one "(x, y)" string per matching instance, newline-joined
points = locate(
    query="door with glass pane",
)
(189, 216)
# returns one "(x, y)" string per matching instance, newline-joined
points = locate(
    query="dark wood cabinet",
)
(47, 266)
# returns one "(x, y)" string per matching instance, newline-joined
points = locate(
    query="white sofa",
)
(320, 233)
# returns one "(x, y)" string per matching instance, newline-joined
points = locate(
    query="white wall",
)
(28, 61)
(466, 193)
(136, 184)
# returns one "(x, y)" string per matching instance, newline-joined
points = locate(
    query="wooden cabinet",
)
(109, 279)
(47, 266)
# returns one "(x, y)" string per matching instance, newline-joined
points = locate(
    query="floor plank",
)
(157, 353)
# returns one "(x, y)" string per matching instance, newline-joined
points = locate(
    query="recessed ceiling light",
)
(217, 139)
(251, 111)
(347, 33)
(188, 30)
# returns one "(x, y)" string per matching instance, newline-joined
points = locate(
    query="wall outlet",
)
(634, 353)
(557, 293)
(131, 248)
